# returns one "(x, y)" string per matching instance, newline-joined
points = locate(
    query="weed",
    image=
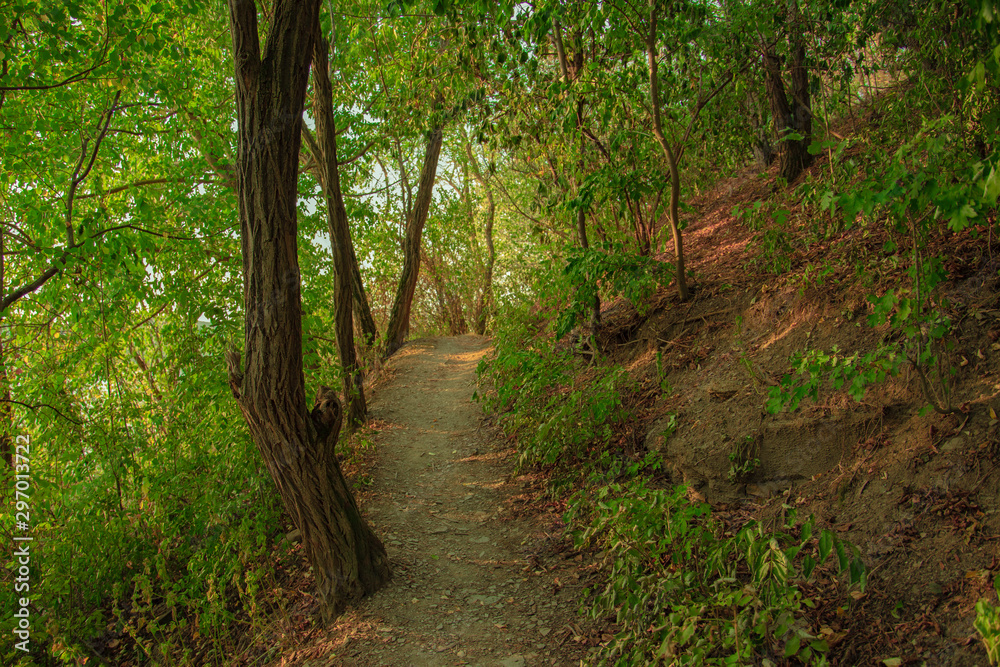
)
(671, 427)
(744, 459)
(987, 624)
(555, 420)
(661, 375)
(683, 592)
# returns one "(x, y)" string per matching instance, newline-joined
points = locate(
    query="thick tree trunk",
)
(399, 318)
(795, 117)
(675, 179)
(297, 445)
(340, 235)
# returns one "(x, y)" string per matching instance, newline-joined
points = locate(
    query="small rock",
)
(515, 660)
(953, 444)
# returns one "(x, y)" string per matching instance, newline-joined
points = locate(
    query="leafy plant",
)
(922, 188)
(615, 272)
(744, 459)
(854, 372)
(554, 420)
(682, 591)
(987, 624)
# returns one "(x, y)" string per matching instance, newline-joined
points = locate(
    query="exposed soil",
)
(918, 494)
(475, 581)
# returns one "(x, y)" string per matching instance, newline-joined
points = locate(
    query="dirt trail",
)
(463, 591)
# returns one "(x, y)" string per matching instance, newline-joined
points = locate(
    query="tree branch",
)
(139, 184)
(41, 405)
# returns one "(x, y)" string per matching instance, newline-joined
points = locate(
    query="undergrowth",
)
(555, 416)
(679, 587)
(682, 589)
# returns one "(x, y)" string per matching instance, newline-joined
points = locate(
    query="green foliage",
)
(987, 624)
(155, 515)
(744, 458)
(772, 239)
(683, 592)
(926, 188)
(854, 373)
(555, 419)
(613, 272)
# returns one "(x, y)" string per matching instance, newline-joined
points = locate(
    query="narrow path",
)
(463, 591)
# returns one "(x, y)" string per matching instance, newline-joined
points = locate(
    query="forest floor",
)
(470, 585)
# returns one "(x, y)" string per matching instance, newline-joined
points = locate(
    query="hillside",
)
(918, 494)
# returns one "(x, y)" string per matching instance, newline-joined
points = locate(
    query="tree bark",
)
(675, 179)
(362, 310)
(399, 318)
(341, 244)
(793, 117)
(297, 444)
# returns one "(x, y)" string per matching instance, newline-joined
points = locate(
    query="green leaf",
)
(792, 646)
(808, 565)
(825, 545)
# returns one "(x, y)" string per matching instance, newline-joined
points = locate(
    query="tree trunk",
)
(362, 311)
(399, 318)
(800, 157)
(485, 301)
(675, 179)
(763, 151)
(297, 444)
(340, 235)
(570, 72)
(795, 117)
